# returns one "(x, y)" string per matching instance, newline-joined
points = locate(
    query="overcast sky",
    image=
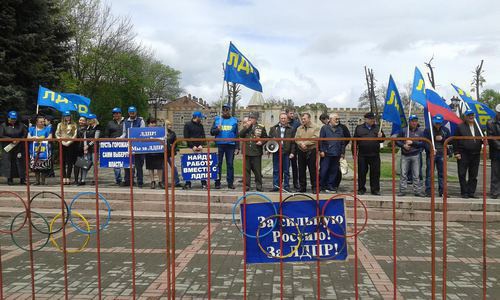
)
(315, 50)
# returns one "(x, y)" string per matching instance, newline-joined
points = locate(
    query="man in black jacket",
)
(468, 154)
(282, 130)
(494, 131)
(368, 154)
(194, 129)
(114, 129)
(347, 134)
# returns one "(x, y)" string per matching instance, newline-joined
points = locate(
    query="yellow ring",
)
(53, 241)
(299, 238)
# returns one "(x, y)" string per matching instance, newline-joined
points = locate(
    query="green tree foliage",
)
(33, 50)
(490, 97)
(108, 65)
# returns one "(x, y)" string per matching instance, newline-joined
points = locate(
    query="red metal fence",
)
(170, 223)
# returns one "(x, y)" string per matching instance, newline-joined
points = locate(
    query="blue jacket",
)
(228, 130)
(416, 147)
(128, 123)
(332, 148)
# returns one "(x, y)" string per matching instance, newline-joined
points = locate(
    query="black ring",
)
(14, 239)
(318, 209)
(66, 215)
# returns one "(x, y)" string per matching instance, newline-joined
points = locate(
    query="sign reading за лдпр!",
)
(195, 166)
(299, 236)
(113, 154)
(147, 133)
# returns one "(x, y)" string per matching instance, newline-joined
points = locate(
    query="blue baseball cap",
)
(226, 106)
(413, 117)
(66, 113)
(198, 114)
(117, 110)
(132, 109)
(91, 116)
(12, 115)
(469, 112)
(438, 119)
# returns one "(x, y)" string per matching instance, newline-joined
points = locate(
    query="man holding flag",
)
(468, 154)
(438, 134)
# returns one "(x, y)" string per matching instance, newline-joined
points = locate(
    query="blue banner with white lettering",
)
(240, 70)
(194, 166)
(147, 133)
(55, 100)
(113, 154)
(81, 103)
(393, 108)
(297, 236)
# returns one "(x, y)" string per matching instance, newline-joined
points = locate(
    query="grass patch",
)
(238, 165)
(386, 172)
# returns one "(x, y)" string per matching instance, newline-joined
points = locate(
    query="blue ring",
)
(103, 226)
(234, 214)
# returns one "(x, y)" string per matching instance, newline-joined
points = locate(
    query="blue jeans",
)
(285, 166)
(329, 167)
(118, 175)
(227, 150)
(438, 162)
(138, 164)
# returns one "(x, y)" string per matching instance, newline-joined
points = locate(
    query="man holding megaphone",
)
(281, 130)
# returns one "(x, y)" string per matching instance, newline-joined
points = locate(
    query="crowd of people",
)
(299, 155)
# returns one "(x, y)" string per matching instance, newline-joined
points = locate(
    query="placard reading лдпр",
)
(301, 236)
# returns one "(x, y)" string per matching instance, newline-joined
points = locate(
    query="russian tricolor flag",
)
(436, 105)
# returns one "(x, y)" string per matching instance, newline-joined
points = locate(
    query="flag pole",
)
(475, 120)
(222, 94)
(432, 130)
(409, 114)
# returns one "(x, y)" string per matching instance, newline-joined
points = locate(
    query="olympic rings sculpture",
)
(50, 229)
(320, 220)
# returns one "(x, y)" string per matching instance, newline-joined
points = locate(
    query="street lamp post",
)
(157, 103)
(455, 103)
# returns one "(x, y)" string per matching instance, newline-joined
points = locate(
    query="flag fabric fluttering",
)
(81, 103)
(418, 90)
(240, 70)
(436, 105)
(53, 99)
(393, 108)
(482, 112)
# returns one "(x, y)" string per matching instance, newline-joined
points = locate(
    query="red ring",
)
(356, 199)
(25, 215)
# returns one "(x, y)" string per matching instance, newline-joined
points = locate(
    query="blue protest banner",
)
(55, 100)
(147, 133)
(303, 236)
(113, 155)
(194, 166)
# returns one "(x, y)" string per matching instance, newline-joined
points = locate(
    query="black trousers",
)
(468, 163)
(338, 179)
(253, 164)
(307, 160)
(295, 172)
(373, 163)
(495, 177)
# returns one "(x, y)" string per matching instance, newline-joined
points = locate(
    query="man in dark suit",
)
(468, 154)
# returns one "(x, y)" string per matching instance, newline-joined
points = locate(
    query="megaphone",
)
(272, 146)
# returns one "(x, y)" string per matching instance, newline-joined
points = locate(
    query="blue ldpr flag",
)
(482, 112)
(55, 100)
(240, 70)
(418, 90)
(393, 108)
(81, 103)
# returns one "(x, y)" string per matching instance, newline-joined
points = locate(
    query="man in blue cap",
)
(194, 129)
(114, 129)
(12, 164)
(224, 127)
(438, 135)
(410, 157)
(134, 121)
(493, 127)
(468, 154)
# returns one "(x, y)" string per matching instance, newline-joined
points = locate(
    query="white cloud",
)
(316, 51)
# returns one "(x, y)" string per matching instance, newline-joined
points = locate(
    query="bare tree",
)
(478, 80)
(370, 85)
(431, 74)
